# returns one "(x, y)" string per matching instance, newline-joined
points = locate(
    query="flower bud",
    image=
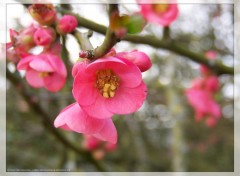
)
(140, 59)
(44, 36)
(44, 14)
(67, 24)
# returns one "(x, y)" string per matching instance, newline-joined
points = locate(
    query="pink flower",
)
(67, 24)
(91, 143)
(203, 103)
(140, 59)
(73, 118)
(163, 14)
(97, 147)
(44, 14)
(44, 36)
(108, 86)
(44, 70)
(22, 41)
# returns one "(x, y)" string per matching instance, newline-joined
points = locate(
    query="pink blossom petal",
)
(78, 121)
(24, 63)
(98, 109)
(57, 64)
(34, 79)
(85, 93)
(41, 65)
(108, 132)
(130, 76)
(127, 100)
(79, 66)
(54, 82)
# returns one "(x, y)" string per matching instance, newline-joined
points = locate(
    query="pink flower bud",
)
(211, 122)
(91, 143)
(98, 154)
(110, 147)
(67, 24)
(44, 36)
(44, 14)
(140, 59)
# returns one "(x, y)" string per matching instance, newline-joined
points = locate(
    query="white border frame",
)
(236, 99)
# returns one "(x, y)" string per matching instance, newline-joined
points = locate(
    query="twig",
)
(170, 45)
(16, 81)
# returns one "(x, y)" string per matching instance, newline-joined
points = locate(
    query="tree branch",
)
(21, 88)
(170, 45)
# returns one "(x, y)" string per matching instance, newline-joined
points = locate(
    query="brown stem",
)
(170, 45)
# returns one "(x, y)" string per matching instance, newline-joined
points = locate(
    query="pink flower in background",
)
(108, 86)
(44, 36)
(44, 70)
(91, 143)
(140, 59)
(44, 14)
(67, 24)
(97, 147)
(163, 13)
(73, 118)
(203, 103)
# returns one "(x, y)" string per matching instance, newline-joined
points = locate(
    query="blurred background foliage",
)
(162, 135)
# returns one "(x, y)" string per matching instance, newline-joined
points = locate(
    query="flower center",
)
(43, 74)
(107, 83)
(160, 8)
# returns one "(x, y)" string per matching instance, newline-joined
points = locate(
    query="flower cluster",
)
(97, 147)
(110, 85)
(45, 69)
(201, 95)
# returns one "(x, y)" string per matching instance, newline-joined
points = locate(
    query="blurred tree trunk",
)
(177, 112)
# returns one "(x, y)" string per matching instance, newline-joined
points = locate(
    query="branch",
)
(21, 88)
(171, 45)
(110, 38)
(109, 41)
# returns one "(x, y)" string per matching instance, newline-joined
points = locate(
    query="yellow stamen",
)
(43, 74)
(160, 8)
(105, 95)
(107, 83)
(112, 94)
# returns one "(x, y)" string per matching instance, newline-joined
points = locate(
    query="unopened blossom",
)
(44, 14)
(97, 147)
(108, 86)
(140, 59)
(67, 24)
(163, 13)
(73, 118)
(44, 70)
(44, 36)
